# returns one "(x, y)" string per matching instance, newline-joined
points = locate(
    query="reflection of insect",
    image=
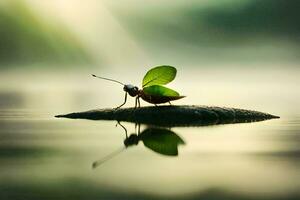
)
(162, 141)
(153, 91)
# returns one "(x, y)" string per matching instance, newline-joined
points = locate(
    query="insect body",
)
(152, 90)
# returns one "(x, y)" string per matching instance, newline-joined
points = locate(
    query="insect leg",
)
(135, 125)
(118, 123)
(138, 99)
(170, 103)
(135, 105)
(139, 128)
(122, 103)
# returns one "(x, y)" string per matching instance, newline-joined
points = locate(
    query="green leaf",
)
(159, 90)
(162, 141)
(160, 75)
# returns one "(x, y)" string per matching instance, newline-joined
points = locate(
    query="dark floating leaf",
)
(170, 116)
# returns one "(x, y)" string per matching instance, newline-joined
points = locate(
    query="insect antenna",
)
(108, 79)
(108, 157)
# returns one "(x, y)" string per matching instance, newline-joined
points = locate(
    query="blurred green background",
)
(131, 33)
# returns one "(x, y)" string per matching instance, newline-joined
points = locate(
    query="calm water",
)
(42, 157)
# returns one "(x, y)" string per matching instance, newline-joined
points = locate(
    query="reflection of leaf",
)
(158, 90)
(160, 75)
(162, 141)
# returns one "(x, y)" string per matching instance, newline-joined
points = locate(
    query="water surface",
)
(42, 157)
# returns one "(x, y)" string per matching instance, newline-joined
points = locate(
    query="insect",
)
(159, 140)
(152, 90)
